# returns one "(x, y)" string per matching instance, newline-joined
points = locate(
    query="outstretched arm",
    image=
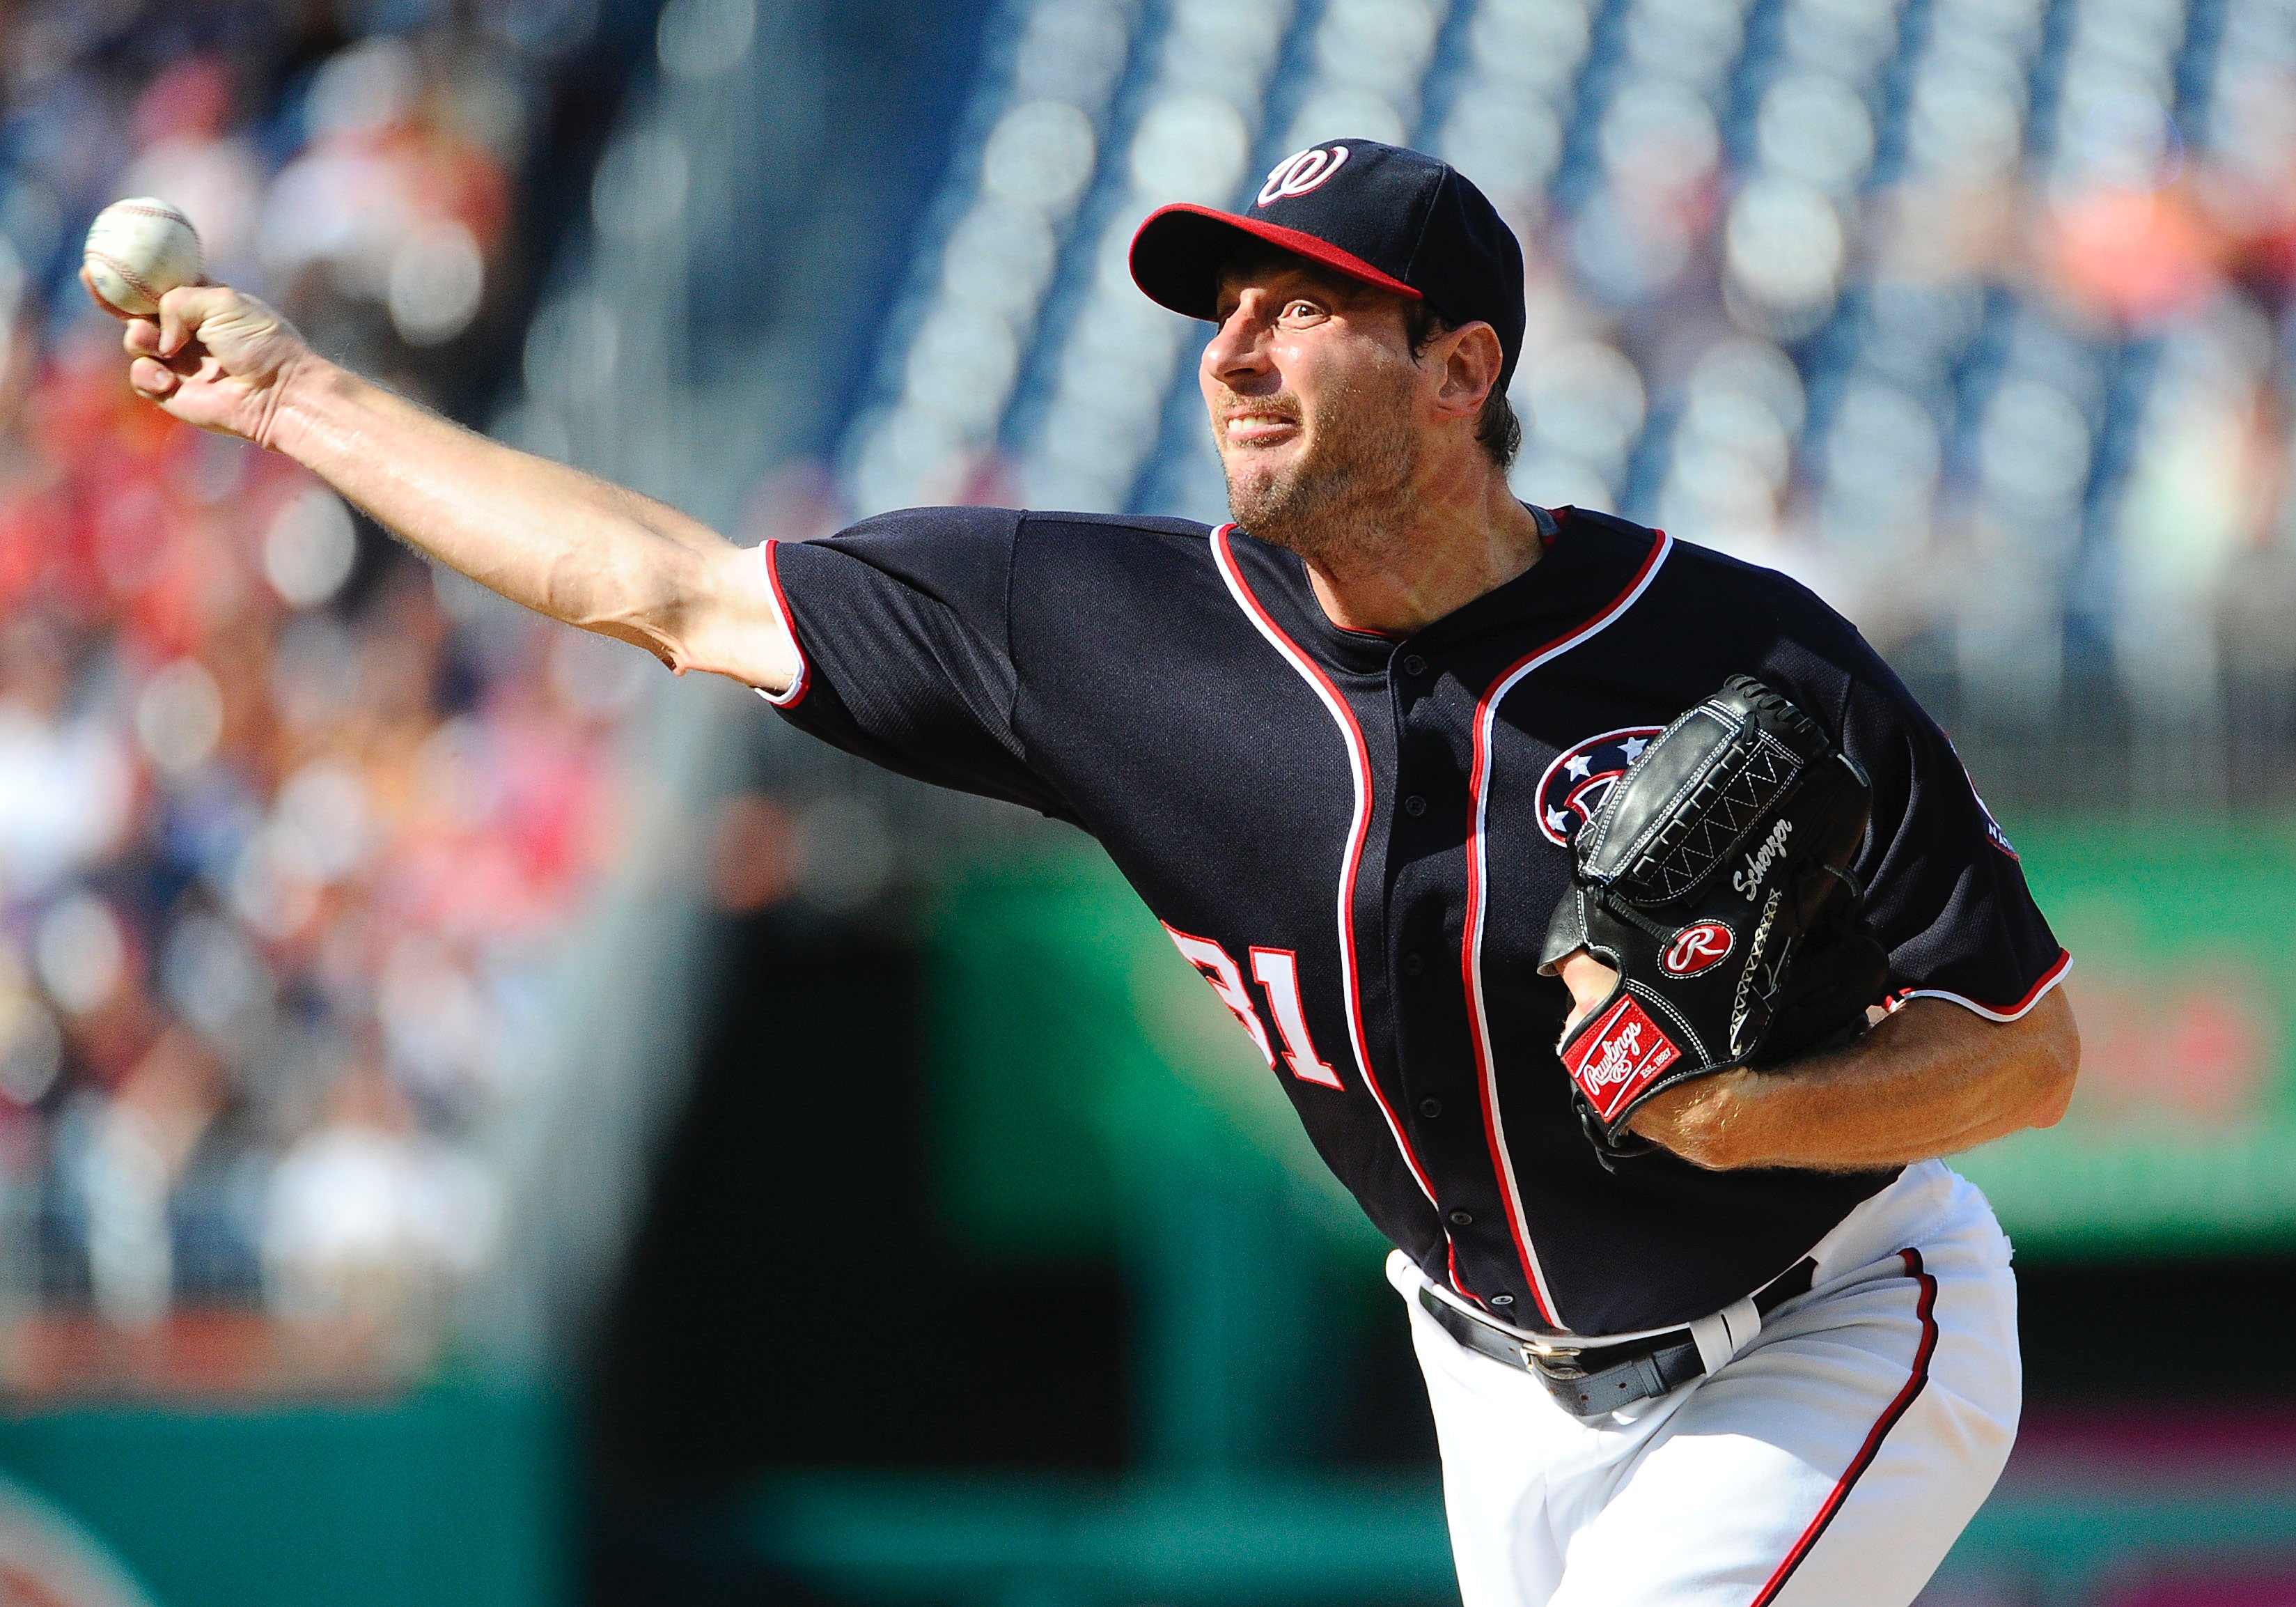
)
(1929, 1079)
(561, 542)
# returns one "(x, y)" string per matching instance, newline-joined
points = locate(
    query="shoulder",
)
(1716, 594)
(927, 524)
(976, 553)
(1746, 617)
(999, 530)
(1116, 527)
(1112, 544)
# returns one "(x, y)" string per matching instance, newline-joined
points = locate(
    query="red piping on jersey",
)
(1458, 1283)
(1926, 1309)
(797, 688)
(1471, 955)
(1359, 771)
(2049, 979)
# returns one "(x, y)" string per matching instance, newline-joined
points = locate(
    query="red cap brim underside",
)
(1178, 250)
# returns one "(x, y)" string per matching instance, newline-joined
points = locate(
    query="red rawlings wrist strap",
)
(1619, 1056)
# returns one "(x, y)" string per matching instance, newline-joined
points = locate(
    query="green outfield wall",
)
(454, 1496)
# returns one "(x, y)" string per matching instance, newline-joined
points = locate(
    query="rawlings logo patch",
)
(1623, 1054)
(1697, 948)
(1581, 777)
(1749, 881)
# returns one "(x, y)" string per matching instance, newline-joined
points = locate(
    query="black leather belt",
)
(1590, 1379)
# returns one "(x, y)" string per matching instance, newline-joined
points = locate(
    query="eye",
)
(1300, 309)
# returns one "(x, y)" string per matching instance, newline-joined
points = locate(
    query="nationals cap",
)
(1378, 213)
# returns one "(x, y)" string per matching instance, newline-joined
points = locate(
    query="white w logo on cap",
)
(1301, 172)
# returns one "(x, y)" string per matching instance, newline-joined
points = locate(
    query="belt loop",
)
(1726, 1333)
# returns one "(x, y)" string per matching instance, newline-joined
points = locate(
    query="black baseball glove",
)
(1715, 878)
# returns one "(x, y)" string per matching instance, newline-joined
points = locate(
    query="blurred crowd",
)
(286, 821)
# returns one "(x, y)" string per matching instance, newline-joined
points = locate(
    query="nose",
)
(1237, 355)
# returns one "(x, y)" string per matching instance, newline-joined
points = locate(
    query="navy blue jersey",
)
(1358, 839)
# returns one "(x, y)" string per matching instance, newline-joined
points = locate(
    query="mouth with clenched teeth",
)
(1259, 424)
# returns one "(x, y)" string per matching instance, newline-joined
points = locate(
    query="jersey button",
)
(1502, 1299)
(1413, 963)
(1413, 664)
(1430, 1107)
(1414, 806)
(1462, 1219)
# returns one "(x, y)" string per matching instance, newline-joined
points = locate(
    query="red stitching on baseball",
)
(127, 275)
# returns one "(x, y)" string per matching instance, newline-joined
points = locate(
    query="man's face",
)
(1317, 406)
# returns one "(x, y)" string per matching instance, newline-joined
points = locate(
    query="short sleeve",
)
(1944, 890)
(902, 630)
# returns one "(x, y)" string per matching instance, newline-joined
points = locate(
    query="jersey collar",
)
(1588, 558)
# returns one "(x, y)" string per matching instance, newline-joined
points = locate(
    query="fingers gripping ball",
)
(1715, 878)
(137, 252)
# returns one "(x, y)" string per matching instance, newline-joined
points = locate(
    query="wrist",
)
(305, 392)
(1739, 1099)
(1713, 1124)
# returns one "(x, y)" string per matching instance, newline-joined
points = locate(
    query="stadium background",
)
(479, 1121)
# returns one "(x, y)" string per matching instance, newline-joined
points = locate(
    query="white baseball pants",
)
(1833, 1460)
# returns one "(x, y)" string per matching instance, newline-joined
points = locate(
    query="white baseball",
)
(138, 251)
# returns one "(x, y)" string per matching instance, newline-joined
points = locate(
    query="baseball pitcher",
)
(1629, 941)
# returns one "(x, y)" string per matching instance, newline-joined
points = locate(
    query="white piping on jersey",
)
(1477, 905)
(1359, 771)
(2017, 1011)
(794, 694)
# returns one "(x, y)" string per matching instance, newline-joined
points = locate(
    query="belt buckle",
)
(1552, 1364)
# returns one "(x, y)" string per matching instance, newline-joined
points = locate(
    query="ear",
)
(1467, 361)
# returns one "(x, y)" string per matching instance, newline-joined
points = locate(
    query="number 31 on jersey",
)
(1277, 972)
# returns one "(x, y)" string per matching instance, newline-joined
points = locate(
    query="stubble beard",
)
(1339, 504)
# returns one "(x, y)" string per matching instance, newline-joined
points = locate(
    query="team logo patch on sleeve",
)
(1581, 777)
(1624, 1054)
(1993, 832)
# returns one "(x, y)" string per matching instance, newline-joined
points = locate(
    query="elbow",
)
(647, 599)
(2059, 1069)
(2056, 1098)
(707, 609)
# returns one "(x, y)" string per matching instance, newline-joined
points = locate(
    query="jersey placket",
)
(1422, 852)
(1331, 678)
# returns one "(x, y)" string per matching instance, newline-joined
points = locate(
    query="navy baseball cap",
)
(1386, 216)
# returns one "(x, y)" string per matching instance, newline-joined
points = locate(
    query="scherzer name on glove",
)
(1715, 878)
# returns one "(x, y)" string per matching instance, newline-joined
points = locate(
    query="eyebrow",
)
(1334, 288)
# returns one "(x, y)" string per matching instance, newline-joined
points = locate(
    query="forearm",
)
(557, 540)
(1930, 1080)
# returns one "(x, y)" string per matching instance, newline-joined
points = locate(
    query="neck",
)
(1456, 537)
